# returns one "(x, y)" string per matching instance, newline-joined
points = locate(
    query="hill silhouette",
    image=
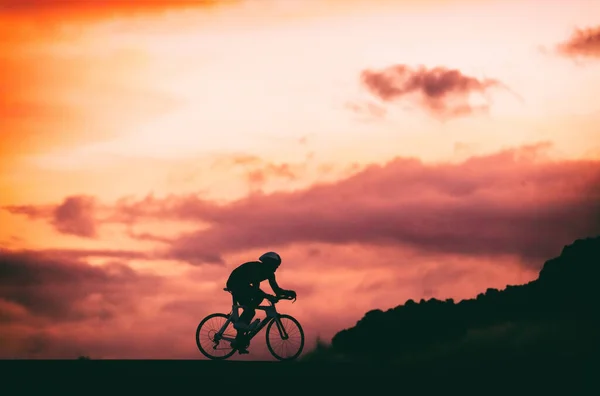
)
(556, 313)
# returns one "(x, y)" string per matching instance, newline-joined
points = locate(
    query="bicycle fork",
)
(281, 329)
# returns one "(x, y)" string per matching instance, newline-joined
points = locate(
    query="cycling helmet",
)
(270, 257)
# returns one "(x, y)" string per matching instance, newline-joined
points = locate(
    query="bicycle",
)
(219, 334)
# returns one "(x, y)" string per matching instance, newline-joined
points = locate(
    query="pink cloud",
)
(505, 203)
(583, 42)
(441, 91)
(74, 216)
(514, 202)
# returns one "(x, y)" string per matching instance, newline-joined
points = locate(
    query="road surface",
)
(577, 375)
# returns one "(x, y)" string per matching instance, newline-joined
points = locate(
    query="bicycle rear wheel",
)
(211, 347)
(287, 348)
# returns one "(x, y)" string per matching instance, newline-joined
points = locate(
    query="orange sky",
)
(387, 149)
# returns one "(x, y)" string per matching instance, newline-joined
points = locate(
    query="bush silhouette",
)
(562, 299)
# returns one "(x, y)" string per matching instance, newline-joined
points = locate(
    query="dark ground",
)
(546, 374)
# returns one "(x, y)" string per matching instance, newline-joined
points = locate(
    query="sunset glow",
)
(386, 149)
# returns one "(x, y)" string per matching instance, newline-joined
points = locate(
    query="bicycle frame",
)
(271, 315)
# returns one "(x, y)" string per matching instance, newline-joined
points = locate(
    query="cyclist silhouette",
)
(244, 284)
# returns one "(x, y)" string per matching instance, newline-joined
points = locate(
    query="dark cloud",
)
(583, 42)
(47, 286)
(441, 91)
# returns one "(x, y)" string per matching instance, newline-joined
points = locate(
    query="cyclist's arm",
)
(273, 283)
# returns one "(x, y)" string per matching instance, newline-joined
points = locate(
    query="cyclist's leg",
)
(252, 299)
(248, 313)
(244, 297)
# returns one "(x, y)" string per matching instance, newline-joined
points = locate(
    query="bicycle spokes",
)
(287, 341)
(215, 335)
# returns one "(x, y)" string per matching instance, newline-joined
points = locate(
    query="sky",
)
(388, 150)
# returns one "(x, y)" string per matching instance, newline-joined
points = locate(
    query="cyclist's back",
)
(251, 273)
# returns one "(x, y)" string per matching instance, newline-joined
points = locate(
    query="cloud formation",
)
(50, 286)
(514, 202)
(74, 216)
(506, 203)
(441, 91)
(583, 42)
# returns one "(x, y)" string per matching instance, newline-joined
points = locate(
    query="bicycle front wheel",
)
(285, 338)
(208, 339)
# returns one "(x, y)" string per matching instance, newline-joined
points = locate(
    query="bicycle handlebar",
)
(279, 298)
